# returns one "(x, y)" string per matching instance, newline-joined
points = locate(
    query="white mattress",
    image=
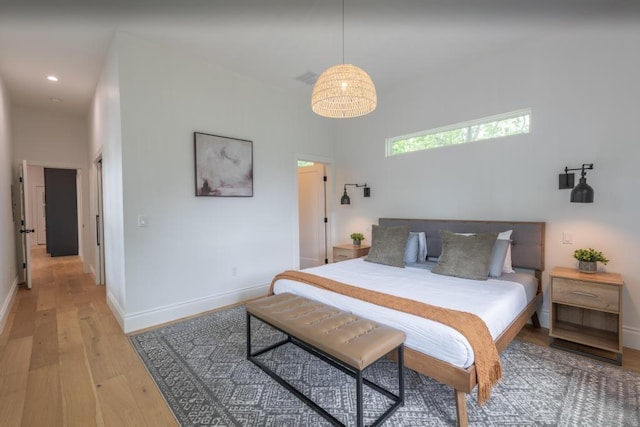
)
(497, 302)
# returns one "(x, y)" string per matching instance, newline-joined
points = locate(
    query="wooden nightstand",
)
(345, 252)
(586, 313)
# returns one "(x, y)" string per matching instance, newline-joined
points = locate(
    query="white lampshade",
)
(343, 91)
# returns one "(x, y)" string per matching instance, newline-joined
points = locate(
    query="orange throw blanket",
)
(487, 360)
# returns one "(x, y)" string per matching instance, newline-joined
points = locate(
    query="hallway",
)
(64, 360)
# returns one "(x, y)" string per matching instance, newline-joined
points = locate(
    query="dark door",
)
(61, 211)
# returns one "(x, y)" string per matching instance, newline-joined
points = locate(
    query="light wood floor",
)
(64, 360)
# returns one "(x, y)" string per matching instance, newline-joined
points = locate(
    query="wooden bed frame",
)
(527, 252)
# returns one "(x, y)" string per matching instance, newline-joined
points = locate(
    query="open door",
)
(25, 226)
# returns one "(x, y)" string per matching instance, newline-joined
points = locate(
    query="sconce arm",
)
(585, 166)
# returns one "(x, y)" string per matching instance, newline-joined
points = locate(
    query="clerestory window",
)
(512, 123)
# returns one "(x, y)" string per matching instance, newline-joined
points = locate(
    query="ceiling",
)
(274, 41)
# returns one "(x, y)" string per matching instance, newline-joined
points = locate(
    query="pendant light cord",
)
(343, 90)
(343, 31)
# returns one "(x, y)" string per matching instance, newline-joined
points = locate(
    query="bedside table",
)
(586, 313)
(345, 252)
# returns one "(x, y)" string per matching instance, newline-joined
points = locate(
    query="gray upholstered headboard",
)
(527, 237)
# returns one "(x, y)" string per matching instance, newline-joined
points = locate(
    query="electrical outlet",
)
(567, 238)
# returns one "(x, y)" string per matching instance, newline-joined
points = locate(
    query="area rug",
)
(201, 369)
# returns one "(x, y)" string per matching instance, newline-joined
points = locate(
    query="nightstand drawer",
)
(341, 256)
(345, 252)
(585, 294)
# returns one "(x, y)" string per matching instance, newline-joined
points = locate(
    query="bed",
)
(433, 349)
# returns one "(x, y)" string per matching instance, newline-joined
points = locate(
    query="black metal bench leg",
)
(248, 336)
(351, 371)
(401, 374)
(359, 398)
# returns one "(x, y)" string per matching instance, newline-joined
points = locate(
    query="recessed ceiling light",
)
(55, 99)
(52, 78)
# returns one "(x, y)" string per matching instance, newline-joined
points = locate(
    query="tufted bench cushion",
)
(353, 340)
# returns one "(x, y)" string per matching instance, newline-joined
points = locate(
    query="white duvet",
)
(497, 302)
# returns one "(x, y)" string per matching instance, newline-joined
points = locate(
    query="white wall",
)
(53, 139)
(8, 273)
(182, 263)
(106, 142)
(582, 86)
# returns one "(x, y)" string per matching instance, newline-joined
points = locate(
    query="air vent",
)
(308, 78)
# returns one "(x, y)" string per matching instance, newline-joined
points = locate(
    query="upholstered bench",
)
(348, 342)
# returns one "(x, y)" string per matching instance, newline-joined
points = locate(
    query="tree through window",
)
(513, 123)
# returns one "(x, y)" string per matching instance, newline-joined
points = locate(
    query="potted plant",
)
(357, 238)
(588, 259)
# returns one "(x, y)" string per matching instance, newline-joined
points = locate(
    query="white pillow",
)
(411, 251)
(422, 246)
(507, 267)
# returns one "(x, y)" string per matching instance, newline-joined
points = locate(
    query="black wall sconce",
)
(581, 193)
(346, 200)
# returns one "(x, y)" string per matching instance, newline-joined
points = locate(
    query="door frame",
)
(79, 189)
(329, 196)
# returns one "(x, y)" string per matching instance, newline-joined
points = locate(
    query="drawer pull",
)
(584, 294)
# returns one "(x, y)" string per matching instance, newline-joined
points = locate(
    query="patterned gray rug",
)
(201, 369)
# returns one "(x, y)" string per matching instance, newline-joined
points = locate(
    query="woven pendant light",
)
(344, 90)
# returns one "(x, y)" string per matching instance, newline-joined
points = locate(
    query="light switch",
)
(567, 238)
(143, 220)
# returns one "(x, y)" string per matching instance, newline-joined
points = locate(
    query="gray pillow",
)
(498, 256)
(466, 256)
(388, 245)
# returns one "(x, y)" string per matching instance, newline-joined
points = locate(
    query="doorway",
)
(31, 203)
(313, 219)
(62, 197)
(37, 214)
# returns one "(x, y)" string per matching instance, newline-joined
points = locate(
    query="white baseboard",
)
(6, 304)
(92, 273)
(631, 337)
(543, 316)
(148, 318)
(117, 311)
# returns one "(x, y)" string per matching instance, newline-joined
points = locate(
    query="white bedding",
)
(497, 302)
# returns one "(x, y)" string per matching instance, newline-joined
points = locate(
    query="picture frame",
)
(223, 166)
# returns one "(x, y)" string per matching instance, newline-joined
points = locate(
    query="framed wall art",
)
(224, 166)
